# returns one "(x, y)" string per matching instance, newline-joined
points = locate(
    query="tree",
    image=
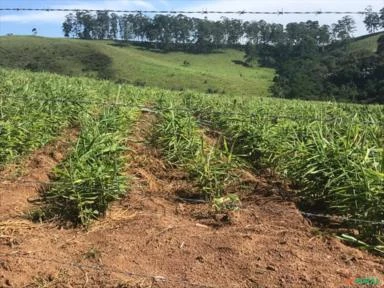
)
(162, 29)
(324, 35)
(295, 32)
(203, 35)
(233, 30)
(68, 25)
(372, 20)
(182, 29)
(126, 27)
(140, 25)
(102, 24)
(382, 17)
(307, 48)
(277, 33)
(265, 31)
(218, 33)
(86, 25)
(252, 31)
(114, 23)
(344, 28)
(380, 46)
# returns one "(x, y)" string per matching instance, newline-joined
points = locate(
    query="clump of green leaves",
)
(212, 167)
(183, 144)
(227, 202)
(91, 176)
(332, 152)
(34, 110)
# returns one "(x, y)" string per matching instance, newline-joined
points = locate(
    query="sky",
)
(49, 23)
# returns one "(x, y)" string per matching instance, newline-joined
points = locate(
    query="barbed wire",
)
(154, 278)
(240, 12)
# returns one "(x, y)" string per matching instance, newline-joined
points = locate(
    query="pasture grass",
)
(215, 72)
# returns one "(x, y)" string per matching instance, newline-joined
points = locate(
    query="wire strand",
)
(241, 12)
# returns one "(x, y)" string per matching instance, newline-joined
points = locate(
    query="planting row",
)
(184, 144)
(93, 174)
(36, 107)
(28, 119)
(333, 153)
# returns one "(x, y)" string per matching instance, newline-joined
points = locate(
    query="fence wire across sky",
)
(241, 12)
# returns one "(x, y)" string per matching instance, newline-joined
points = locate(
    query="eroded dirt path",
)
(166, 242)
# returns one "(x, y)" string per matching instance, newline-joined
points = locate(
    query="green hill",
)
(215, 72)
(366, 42)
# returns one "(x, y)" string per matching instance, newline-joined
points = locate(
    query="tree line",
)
(312, 61)
(172, 31)
(337, 73)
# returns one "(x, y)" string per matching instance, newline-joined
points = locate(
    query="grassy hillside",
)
(366, 42)
(215, 72)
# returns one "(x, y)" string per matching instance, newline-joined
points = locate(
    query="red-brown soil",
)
(152, 239)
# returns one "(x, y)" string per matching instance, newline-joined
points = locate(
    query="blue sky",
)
(49, 23)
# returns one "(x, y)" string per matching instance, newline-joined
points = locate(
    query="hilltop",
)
(345, 71)
(366, 42)
(222, 71)
(217, 72)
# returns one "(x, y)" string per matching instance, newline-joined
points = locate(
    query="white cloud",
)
(30, 17)
(220, 5)
(58, 17)
(288, 5)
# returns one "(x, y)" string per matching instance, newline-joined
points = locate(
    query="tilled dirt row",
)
(152, 238)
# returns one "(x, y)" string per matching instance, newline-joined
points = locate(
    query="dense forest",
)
(312, 60)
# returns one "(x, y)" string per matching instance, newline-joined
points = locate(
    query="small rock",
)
(271, 268)
(200, 259)
(57, 156)
(51, 278)
(180, 209)
(221, 217)
(5, 265)
(344, 273)
(305, 278)
(349, 259)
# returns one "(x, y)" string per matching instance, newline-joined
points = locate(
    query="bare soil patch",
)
(152, 238)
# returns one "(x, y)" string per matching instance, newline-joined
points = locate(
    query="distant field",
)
(213, 73)
(366, 42)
